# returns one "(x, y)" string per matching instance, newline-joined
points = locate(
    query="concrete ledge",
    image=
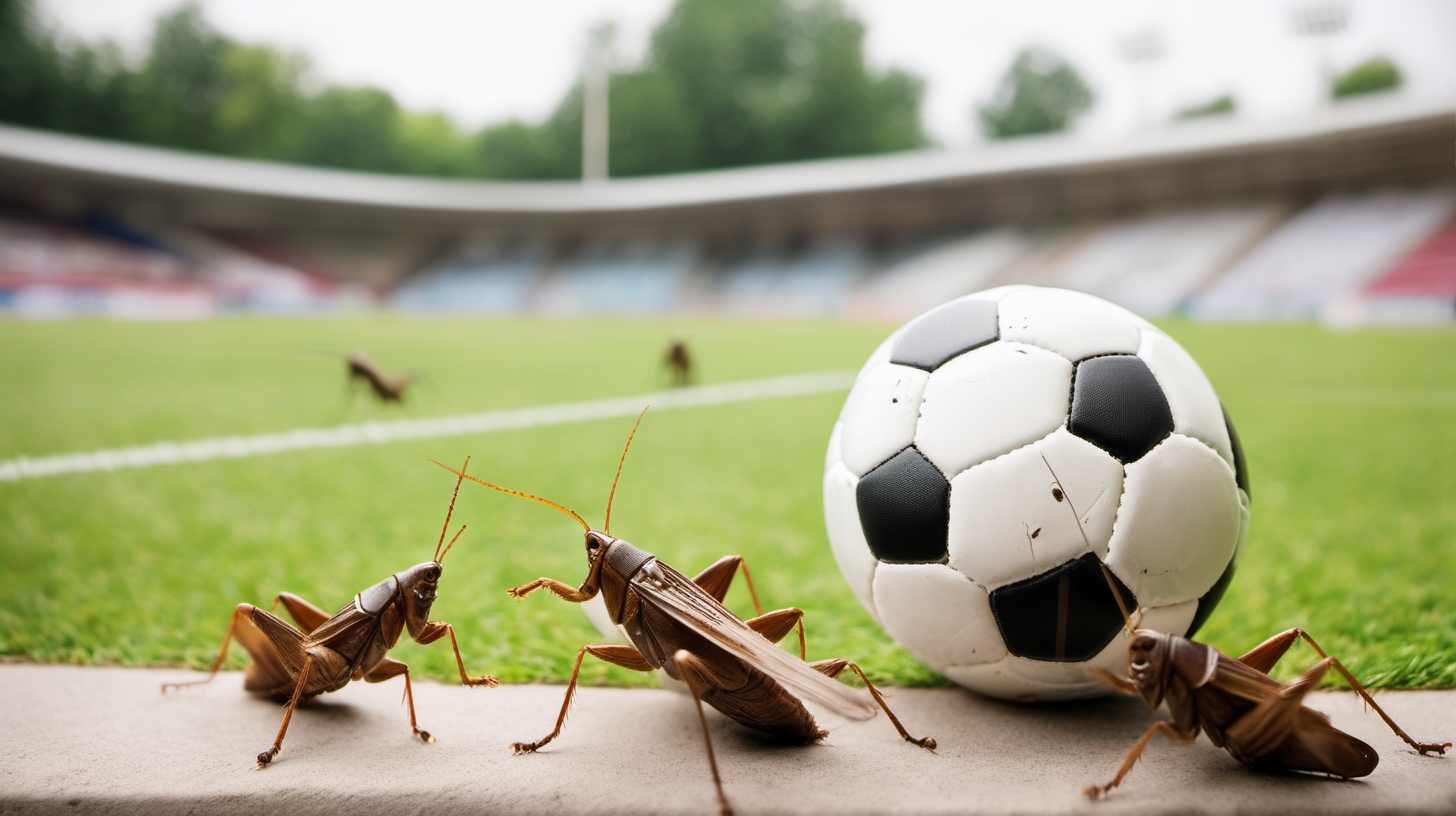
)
(102, 740)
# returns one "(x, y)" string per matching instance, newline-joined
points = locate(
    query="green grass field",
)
(1350, 438)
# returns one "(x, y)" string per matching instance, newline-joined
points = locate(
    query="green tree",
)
(31, 67)
(516, 150)
(185, 79)
(1221, 106)
(1039, 93)
(47, 82)
(431, 145)
(759, 81)
(1372, 76)
(263, 114)
(650, 132)
(728, 85)
(353, 128)
(724, 85)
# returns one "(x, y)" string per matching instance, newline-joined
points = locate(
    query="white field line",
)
(378, 433)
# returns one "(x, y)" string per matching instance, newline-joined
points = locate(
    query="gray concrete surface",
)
(99, 740)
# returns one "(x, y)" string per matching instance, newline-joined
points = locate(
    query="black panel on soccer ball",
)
(1066, 614)
(1241, 466)
(1118, 406)
(904, 509)
(945, 332)
(1210, 599)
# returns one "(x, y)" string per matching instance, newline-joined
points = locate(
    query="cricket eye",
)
(432, 575)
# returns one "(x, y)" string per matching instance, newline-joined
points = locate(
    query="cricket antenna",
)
(522, 494)
(607, 527)
(448, 512)
(441, 556)
(1060, 494)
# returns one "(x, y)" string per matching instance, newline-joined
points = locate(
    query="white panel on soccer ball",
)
(1179, 523)
(879, 415)
(1068, 681)
(1072, 324)
(881, 354)
(991, 401)
(1028, 681)
(1196, 409)
(833, 452)
(846, 537)
(1173, 619)
(1005, 523)
(937, 614)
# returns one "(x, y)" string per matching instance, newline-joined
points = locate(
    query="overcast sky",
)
(491, 60)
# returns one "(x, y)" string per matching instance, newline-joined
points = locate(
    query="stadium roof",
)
(1359, 143)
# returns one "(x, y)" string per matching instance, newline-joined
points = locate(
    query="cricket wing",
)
(276, 649)
(676, 595)
(1280, 731)
(1316, 746)
(351, 632)
(1238, 680)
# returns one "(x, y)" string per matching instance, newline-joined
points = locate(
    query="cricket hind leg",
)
(716, 579)
(834, 667)
(1280, 732)
(1422, 747)
(306, 615)
(267, 671)
(298, 688)
(698, 677)
(1265, 655)
(776, 625)
(616, 654)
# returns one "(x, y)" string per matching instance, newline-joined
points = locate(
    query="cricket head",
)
(613, 562)
(1157, 661)
(1147, 665)
(418, 587)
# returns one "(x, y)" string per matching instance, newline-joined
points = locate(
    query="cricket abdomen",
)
(760, 703)
(330, 672)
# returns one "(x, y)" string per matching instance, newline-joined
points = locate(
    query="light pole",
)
(1140, 50)
(1322, 21)
(594, 118)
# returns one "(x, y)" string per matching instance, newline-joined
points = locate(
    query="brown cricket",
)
(386, 388)
(1260, 721)
(325, 653)
(679, 361)
(680, 625)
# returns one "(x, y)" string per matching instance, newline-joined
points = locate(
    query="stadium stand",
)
(627, 277)
(485, 277)
(791, 280)
(936, 271)
(1421, 287)
(99, 268)
(1325, 253)
(1220, 219)
(1155, 263)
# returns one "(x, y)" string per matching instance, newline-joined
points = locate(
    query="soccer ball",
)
(995, 452)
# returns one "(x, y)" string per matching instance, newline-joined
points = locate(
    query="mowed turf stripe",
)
(378, 433)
